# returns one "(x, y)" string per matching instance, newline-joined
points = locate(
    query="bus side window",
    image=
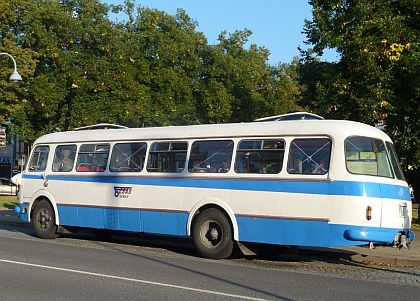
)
(92, 157)
(128, 157)
(367, 156)
(259, 156)
(309, 156)
(39, 158)
(167, 157)
(210, 156)
(64, 157)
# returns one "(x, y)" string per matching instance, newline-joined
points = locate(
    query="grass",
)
(11, 201)
(8, 201)
(415, 225)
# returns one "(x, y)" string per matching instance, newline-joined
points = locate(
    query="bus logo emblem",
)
(122, 192)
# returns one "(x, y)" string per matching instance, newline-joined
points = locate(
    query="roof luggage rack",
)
(100, 126)
(291, 116)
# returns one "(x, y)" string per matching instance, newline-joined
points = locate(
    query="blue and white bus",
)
(319, 183)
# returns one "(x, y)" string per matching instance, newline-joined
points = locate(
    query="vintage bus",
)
(247, 186)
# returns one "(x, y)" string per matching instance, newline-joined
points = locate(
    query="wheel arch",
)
(217, 204)
(43, 195)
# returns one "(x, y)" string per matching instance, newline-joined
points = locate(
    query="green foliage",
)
(150, 69)
(376, 79)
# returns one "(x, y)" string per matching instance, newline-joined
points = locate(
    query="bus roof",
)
(334, 128)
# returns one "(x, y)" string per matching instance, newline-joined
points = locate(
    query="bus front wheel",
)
(212, 234)
(43, 220)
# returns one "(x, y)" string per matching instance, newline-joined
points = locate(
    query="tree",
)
(283, 91)
(241, 86)
(11, 24)
(168, 48)
(81, 73)
(376, 79)
(149, 69)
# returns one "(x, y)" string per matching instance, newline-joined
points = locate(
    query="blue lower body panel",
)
(155, 222)
(312, 233)
(281, 231)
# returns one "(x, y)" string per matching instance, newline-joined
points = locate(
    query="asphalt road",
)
(80, 268)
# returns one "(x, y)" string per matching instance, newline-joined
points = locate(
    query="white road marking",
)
(134, 280)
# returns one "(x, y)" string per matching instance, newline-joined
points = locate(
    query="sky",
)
(275, 24)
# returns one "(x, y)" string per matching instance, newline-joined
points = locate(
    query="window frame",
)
(132, 165)
(162, 156)
(218, 159)
(41, 161)
(366, 159)
(261, 163)
(83, 165)
(61, 159)
(310, 159)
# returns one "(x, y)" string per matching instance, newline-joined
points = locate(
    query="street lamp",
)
(15, 78)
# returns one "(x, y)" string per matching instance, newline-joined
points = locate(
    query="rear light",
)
(368, 213)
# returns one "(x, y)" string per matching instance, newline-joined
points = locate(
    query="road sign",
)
(2, 136)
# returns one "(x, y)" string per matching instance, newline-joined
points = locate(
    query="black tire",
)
(213, 234)
(43, 220)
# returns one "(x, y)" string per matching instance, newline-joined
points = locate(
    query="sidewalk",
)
(384, 255)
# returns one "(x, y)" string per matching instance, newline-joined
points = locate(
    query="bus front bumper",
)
(22, 211)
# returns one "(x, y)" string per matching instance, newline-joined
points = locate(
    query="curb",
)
(360, 257)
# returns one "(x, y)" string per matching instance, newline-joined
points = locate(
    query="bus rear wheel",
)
(43, 220)
(213, 235)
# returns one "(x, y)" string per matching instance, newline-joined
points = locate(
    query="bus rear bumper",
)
(399, 239)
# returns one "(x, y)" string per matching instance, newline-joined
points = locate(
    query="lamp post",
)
(15, 77)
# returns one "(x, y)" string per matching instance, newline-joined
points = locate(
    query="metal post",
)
(14, 139)
(15, 78)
